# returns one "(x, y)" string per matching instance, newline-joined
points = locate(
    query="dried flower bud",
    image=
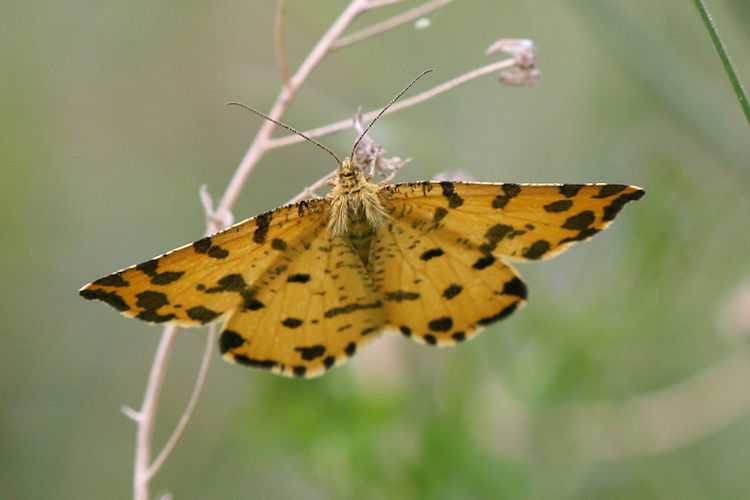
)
(524, 52)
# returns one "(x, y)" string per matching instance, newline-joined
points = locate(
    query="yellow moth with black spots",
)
(303, 287)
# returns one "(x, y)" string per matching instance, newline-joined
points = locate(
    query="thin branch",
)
(411, 101)
(310, 190)
(147, 413)
(192, 402)
(279, 38)
(131, 413)
(376, 4)
(389, 24)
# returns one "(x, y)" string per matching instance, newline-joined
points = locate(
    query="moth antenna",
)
(359, 139)
(289, 128)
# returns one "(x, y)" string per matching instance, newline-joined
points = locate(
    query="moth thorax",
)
(356, 208)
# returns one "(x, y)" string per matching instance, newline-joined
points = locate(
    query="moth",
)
(302, 288)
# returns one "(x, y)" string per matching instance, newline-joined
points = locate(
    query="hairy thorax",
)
(356, 209)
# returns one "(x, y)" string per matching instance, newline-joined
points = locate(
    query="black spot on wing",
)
(292, 322)
(431, 253)
(299, 371)
(249, 302)
(302, 207)
(609, 190)
(499, 202)
(298, 278)
(149, 268)
(309, 353)
(449, 191)
(351, 348)
(202, 314)
(510, 191)
(229, 283)
(262, 222)
(229, 340)
(167, 277)
(442, 324)
(570, 190)
(216, 252)
(354, 306)
(536, 250)
(110, 298)
(278, 244)
(580, 221)
(582, 235)
(459, 336)
(504, 313)
(401, 295)
(149, 301)
(611, 211)
(264, 364)
(484, 261)
(405, 331)
(329, 361)
(558, 206)
(202, 245)
(205, 246)
(112, 280)
(153, 317)
(452, 290)
(515, 287)
(494, 235)
(430, 339)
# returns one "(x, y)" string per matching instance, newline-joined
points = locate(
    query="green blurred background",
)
(626, 375)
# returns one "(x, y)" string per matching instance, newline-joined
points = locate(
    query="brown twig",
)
(310, 190)
(389, 24)
(146, 416)
(376, 4)
(279, 38)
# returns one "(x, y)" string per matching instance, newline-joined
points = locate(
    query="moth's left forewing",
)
(199, 282)
(518, 221)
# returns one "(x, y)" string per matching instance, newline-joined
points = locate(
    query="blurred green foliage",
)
(113, 116)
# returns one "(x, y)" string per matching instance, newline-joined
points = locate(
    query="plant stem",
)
(146, 416)
(724, 56)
